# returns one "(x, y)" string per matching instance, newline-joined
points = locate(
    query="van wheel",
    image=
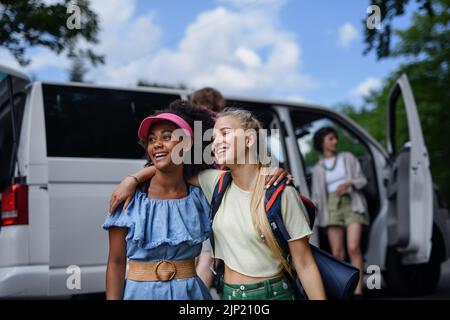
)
(413, 280)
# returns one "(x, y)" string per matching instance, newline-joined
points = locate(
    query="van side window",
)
(97, 123)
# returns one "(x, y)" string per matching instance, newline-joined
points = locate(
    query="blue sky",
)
(289, 49)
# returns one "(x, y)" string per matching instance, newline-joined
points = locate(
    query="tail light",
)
(15, 205)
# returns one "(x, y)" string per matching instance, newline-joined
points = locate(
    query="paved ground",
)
(442, 292)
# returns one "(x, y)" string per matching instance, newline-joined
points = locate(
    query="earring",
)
(263, 238)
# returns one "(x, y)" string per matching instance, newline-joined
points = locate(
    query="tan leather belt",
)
(164, 270)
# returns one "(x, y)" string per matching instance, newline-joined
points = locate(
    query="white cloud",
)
(249, 58)
(241, 4)
(124, 39)
(8, 60)
(223, 48)
(240, 49)
(365, 87)
(305, 144)
(347, 34)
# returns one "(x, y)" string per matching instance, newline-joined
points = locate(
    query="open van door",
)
(409, 186)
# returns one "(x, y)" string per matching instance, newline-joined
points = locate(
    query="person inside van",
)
(208, 98)
(337, 180)
(244, 241)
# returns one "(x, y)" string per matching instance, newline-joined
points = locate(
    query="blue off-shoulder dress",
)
(171, 229)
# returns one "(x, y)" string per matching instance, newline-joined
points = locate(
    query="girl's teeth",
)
(160, 155)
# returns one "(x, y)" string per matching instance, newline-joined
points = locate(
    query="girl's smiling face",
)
(160, 144)
(230, 141)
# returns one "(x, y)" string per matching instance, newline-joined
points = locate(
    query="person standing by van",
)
(162, 229)
(254, 263)
(337, 181)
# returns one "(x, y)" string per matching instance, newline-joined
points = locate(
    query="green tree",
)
(426, 46)
(77, 70)
(33, 23)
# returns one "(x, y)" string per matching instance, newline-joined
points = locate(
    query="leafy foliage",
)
(426, 45)
(32, 23)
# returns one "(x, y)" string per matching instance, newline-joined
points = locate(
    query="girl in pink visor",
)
(162, 229)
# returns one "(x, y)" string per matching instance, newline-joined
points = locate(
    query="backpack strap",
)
(311, 209)
(219, 191)
(273, 210)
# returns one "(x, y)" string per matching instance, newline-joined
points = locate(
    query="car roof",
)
(184, 93)
(187, 92)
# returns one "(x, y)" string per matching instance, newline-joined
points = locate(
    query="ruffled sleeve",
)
(153, 222)
(123, 219)
(174, 221)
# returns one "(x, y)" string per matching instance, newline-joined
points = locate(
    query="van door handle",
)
(43, 187)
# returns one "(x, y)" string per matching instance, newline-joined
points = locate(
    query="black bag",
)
(339, 277)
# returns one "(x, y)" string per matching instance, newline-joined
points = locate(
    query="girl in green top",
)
(253, 260)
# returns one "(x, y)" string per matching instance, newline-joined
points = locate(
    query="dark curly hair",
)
(208, 97)
(320, 135)
(189, 113)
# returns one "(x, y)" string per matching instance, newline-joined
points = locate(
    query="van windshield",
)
(7, 149)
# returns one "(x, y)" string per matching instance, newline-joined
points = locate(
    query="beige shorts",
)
(340, 212)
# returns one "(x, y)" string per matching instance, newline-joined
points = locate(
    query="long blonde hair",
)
(257, 205)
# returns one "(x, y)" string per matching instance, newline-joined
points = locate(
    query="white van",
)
(65, 146)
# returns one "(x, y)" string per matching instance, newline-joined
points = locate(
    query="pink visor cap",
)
(149, 121)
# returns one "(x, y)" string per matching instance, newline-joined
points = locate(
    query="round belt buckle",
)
(172, 272)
